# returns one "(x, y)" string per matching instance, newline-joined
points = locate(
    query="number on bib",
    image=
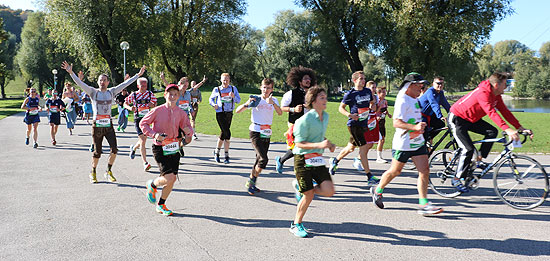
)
(314, 160)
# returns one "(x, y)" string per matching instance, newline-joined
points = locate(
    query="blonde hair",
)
(225, 74)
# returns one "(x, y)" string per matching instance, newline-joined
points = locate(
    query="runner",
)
(87, 106)
(54, 105)
(309, 137)
(70, 99)
(431, 102)
(167, 121)
(140, 102)
(372, 134)
(381, 113)
(102, 126)
(122, 112)
(408, 142)
(300, 78)
(466, 115)
(32, 105)
(223, 99)
(260, 129)
(360, 119)
(196, 99)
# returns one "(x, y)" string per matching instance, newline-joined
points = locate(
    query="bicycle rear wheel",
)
(521, 182)
(443, 165)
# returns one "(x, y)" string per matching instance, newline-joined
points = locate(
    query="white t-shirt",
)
(262, 115)
(408, 110)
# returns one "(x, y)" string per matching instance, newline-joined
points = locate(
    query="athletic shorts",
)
(382, 127)
(403, 156)
(357, 135)
(167, 163)
(30, 119)
(372, 136)
(224, 122)
(138, 129)
(55, 118)
(261, 146)
(306, 175)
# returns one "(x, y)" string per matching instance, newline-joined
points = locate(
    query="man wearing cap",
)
(431, 102)
(166, 121)
(466, 115)
(408, 142)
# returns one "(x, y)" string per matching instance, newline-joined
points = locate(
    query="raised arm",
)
(69, 68)
(163, 79)
(198, 85)
(129, 81)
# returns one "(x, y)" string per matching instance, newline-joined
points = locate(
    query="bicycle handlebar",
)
(525, 135)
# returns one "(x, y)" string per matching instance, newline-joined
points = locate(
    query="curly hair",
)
(297, 73)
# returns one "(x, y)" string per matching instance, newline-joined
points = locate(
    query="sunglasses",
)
(439, 83)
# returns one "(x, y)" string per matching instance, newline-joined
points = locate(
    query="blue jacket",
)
(430, 102)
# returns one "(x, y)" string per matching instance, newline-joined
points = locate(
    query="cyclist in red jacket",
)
(466, 115)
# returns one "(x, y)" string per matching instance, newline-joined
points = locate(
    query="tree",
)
(94, 29)
(7, 52)
(38, 55)
(13, 20)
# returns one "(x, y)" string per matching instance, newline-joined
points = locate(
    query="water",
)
(540, 106)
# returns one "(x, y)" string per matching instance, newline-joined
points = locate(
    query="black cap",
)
(413, 78)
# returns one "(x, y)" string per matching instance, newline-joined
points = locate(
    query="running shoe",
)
(252, 189)
(278, 165)
(27, 141)
(226, 160)
(298, 230)
(93, 178)
(54, 142)
(195, 137)
(146, 166)
(118, 129)
(357, 164)
(91, 148)
(132, 152)
(109, 176)
(333, 166)
(217, 157)
(123, 130)
(376, 198)
(381, 160)
(429, 210)
(164, 210)
(35, 145)
(297, 193)
(151, 192)
(459, 186)
(373, 181)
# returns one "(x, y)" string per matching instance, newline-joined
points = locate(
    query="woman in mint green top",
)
(309, 164)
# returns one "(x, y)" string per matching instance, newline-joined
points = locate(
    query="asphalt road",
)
(50, 210)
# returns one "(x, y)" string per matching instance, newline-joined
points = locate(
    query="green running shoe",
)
(151, 192)
(298, 230)
(164, 210)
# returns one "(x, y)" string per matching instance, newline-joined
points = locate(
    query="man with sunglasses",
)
(431, 102)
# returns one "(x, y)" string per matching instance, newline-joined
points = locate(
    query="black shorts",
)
(55, 118)
(382, 127)
(357, 135)
(138, 129)
(261, 146)
(224, 122)
(306, 175)
(403, 156)
(167, 163)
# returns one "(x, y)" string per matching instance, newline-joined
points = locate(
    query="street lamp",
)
(124, 46)
(54, 71)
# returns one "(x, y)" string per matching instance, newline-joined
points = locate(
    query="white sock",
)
(379, 154)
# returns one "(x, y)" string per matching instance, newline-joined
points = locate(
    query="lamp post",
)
(54, 71)
(124, 46)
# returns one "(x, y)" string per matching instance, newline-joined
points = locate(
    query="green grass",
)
(10, 106)
(16, 88)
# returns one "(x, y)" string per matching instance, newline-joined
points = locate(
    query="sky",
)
(529, 24)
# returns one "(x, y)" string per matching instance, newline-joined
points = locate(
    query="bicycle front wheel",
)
(443, 165)
(521, 182)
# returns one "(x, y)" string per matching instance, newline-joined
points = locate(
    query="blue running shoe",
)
(252, 189)
(91, 149)
(27, 141)
(151, 192)
(226, 160)
(164, 210)
(217, 157)
(333, 166)
(373, 181)
(297, 193)
(298, 230)
(459, 186)
(278, 165)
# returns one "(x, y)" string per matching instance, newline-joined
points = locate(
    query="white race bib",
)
(194, 100)
(33, 112)
(103, 121)
(363, 113)
(314, 160)
(170, 146)
(265, 131)
(53, 109)
(143, 111)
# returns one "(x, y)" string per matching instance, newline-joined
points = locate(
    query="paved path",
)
(50, 210)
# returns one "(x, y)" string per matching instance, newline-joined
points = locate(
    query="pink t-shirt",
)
(165, 120)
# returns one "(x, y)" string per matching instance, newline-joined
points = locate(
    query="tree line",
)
(386, 39)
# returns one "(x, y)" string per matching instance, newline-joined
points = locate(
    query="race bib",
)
(103, 121)
(143, 111)
(195, 100)
(363, 113)
(53, 109)
(372, 122)
(265, 131)
(383, 116)
(416, 139)
(33, 111)
(226, 97)
(184, 105)
(314, 160)
(170, 146)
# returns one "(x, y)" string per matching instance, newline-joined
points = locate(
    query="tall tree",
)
(13, 20)
(7, 52)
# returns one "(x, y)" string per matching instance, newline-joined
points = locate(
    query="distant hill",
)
(14, 20)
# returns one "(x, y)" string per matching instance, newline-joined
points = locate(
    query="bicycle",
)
(518, 180)
(433, 146)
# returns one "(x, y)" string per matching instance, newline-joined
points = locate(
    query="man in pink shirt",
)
(167, 121)
(466, 115)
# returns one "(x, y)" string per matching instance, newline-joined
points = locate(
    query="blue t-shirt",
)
(358, 102)
(55, 105)
(184, 102)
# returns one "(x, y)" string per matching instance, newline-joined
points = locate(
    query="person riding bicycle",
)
(430, 103)
(466, 115)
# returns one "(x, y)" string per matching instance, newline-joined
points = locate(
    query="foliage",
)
(7, 53)
(13, 20)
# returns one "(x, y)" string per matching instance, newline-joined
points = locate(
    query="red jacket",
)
(481, 102)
